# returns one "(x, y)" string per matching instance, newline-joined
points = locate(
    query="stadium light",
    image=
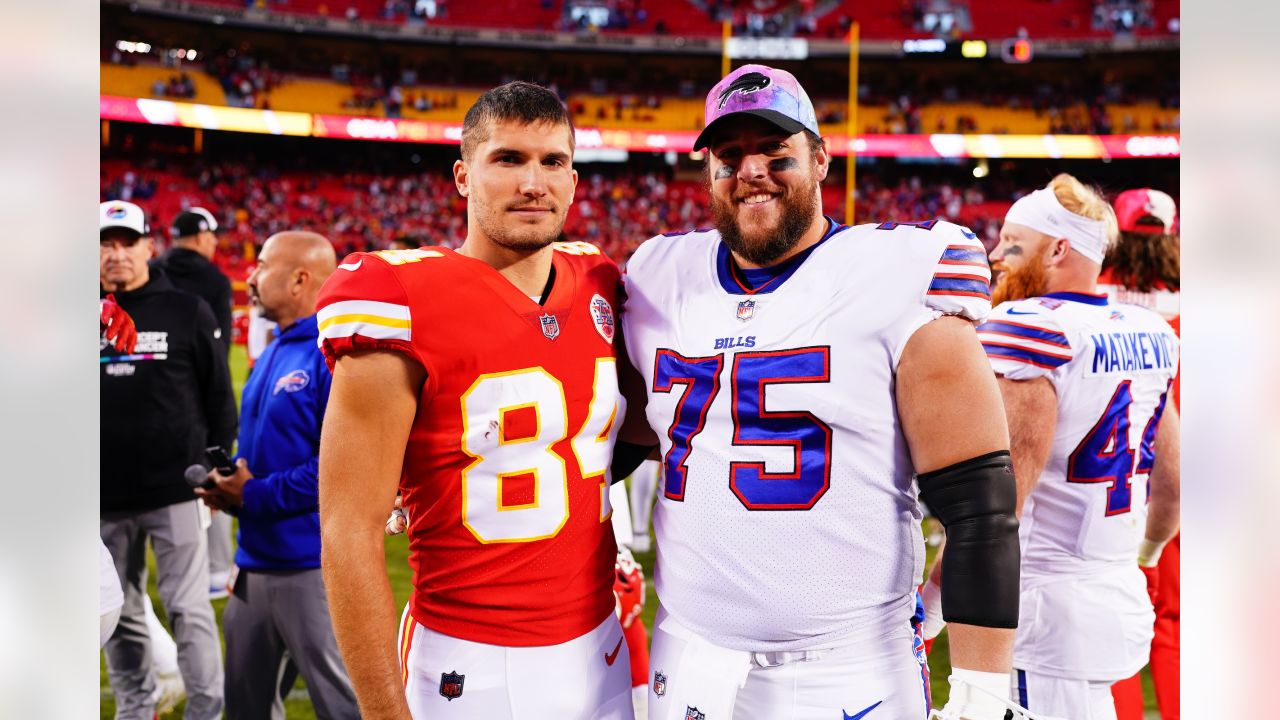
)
(1017, 51)
(973, 49)
(982, 169)
(132, 47)
(929, 45)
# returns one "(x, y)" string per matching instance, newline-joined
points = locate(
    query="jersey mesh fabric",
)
(470, 328)
(830, 551)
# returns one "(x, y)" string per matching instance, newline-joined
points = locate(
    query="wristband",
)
(968, 696)
(931, 599)
(1149, 553)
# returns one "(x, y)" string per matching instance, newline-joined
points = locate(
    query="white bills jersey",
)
(787, 515)
(1111, 366)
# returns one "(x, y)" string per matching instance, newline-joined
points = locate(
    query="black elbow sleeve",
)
(976, 501)
(626, 458)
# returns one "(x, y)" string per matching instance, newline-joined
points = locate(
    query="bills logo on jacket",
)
(291, 382)
(602, 316)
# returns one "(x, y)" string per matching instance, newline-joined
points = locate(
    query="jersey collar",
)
(1086, 298)
(733, 279)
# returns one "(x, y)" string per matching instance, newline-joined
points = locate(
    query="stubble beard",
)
(769, 245)
(522, 239)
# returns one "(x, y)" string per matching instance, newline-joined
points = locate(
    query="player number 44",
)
(1104, 455)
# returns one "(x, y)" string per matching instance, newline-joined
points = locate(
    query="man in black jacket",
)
(162, 405)
(189, 266)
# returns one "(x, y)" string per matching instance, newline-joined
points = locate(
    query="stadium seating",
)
(138, 81)
(878, 19)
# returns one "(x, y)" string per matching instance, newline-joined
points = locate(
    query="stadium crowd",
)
(613, 209)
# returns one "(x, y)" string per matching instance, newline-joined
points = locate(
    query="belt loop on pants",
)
(782, 657)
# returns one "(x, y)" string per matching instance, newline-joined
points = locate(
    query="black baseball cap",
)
(191, 222)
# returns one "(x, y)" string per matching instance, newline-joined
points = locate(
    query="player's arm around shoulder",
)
(953, 421)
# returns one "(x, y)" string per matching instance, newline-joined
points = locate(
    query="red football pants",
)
(1165, 647)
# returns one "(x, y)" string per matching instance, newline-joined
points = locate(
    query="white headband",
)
(1042, 212)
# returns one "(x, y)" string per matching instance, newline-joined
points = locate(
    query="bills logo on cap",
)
(749, 83)
(550, 326)
(659, 684)
(602, 316)
(746, 310)
(451, 685)
(292, 382)
(117, 212)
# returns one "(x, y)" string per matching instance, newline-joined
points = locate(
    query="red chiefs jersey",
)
(506, 470)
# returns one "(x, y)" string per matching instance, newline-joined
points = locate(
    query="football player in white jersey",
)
(1095, 449)
(799, 374)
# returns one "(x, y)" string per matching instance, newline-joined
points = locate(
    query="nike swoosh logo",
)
(611, 657)
(1011, 311)
(860, 715)
(352, 266)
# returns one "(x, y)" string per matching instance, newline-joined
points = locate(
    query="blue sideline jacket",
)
(281, 411)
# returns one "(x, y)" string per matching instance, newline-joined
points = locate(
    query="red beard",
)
(1029, 279)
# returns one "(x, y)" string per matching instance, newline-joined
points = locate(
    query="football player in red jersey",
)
(1145, 269)
(482, 384)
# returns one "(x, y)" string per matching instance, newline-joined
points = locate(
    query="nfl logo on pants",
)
(451, 685)
(693, 714)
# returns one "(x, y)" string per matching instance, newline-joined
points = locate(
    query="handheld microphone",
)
(197, 476)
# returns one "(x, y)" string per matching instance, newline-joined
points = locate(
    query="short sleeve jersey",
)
(506, 470)
(788, 515)
(1111, 366)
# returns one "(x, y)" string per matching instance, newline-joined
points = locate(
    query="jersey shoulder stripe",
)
(1006, 351)
(1023, 331)
(371, 318)
(364, 306)
(1023, 338)
(960, 279)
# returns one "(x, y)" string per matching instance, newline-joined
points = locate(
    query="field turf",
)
(298, 706)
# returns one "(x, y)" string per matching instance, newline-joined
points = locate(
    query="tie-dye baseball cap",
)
(766, 92)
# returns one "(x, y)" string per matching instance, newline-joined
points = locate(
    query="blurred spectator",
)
(161, 406)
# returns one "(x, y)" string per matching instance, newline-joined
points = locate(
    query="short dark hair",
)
(520, 101)
(816, 142)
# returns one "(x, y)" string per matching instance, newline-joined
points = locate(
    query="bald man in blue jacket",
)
(278, 601)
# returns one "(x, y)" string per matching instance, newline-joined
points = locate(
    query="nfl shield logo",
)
(746, 310)
(602, 316)
(550, 326)
(451, 685)
(691, 713)
(659, 684)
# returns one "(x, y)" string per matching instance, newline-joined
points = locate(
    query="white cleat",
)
(170, 691)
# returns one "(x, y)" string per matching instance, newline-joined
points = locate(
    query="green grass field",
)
(299, 707)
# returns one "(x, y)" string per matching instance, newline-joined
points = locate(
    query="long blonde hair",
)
(1086, 201)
